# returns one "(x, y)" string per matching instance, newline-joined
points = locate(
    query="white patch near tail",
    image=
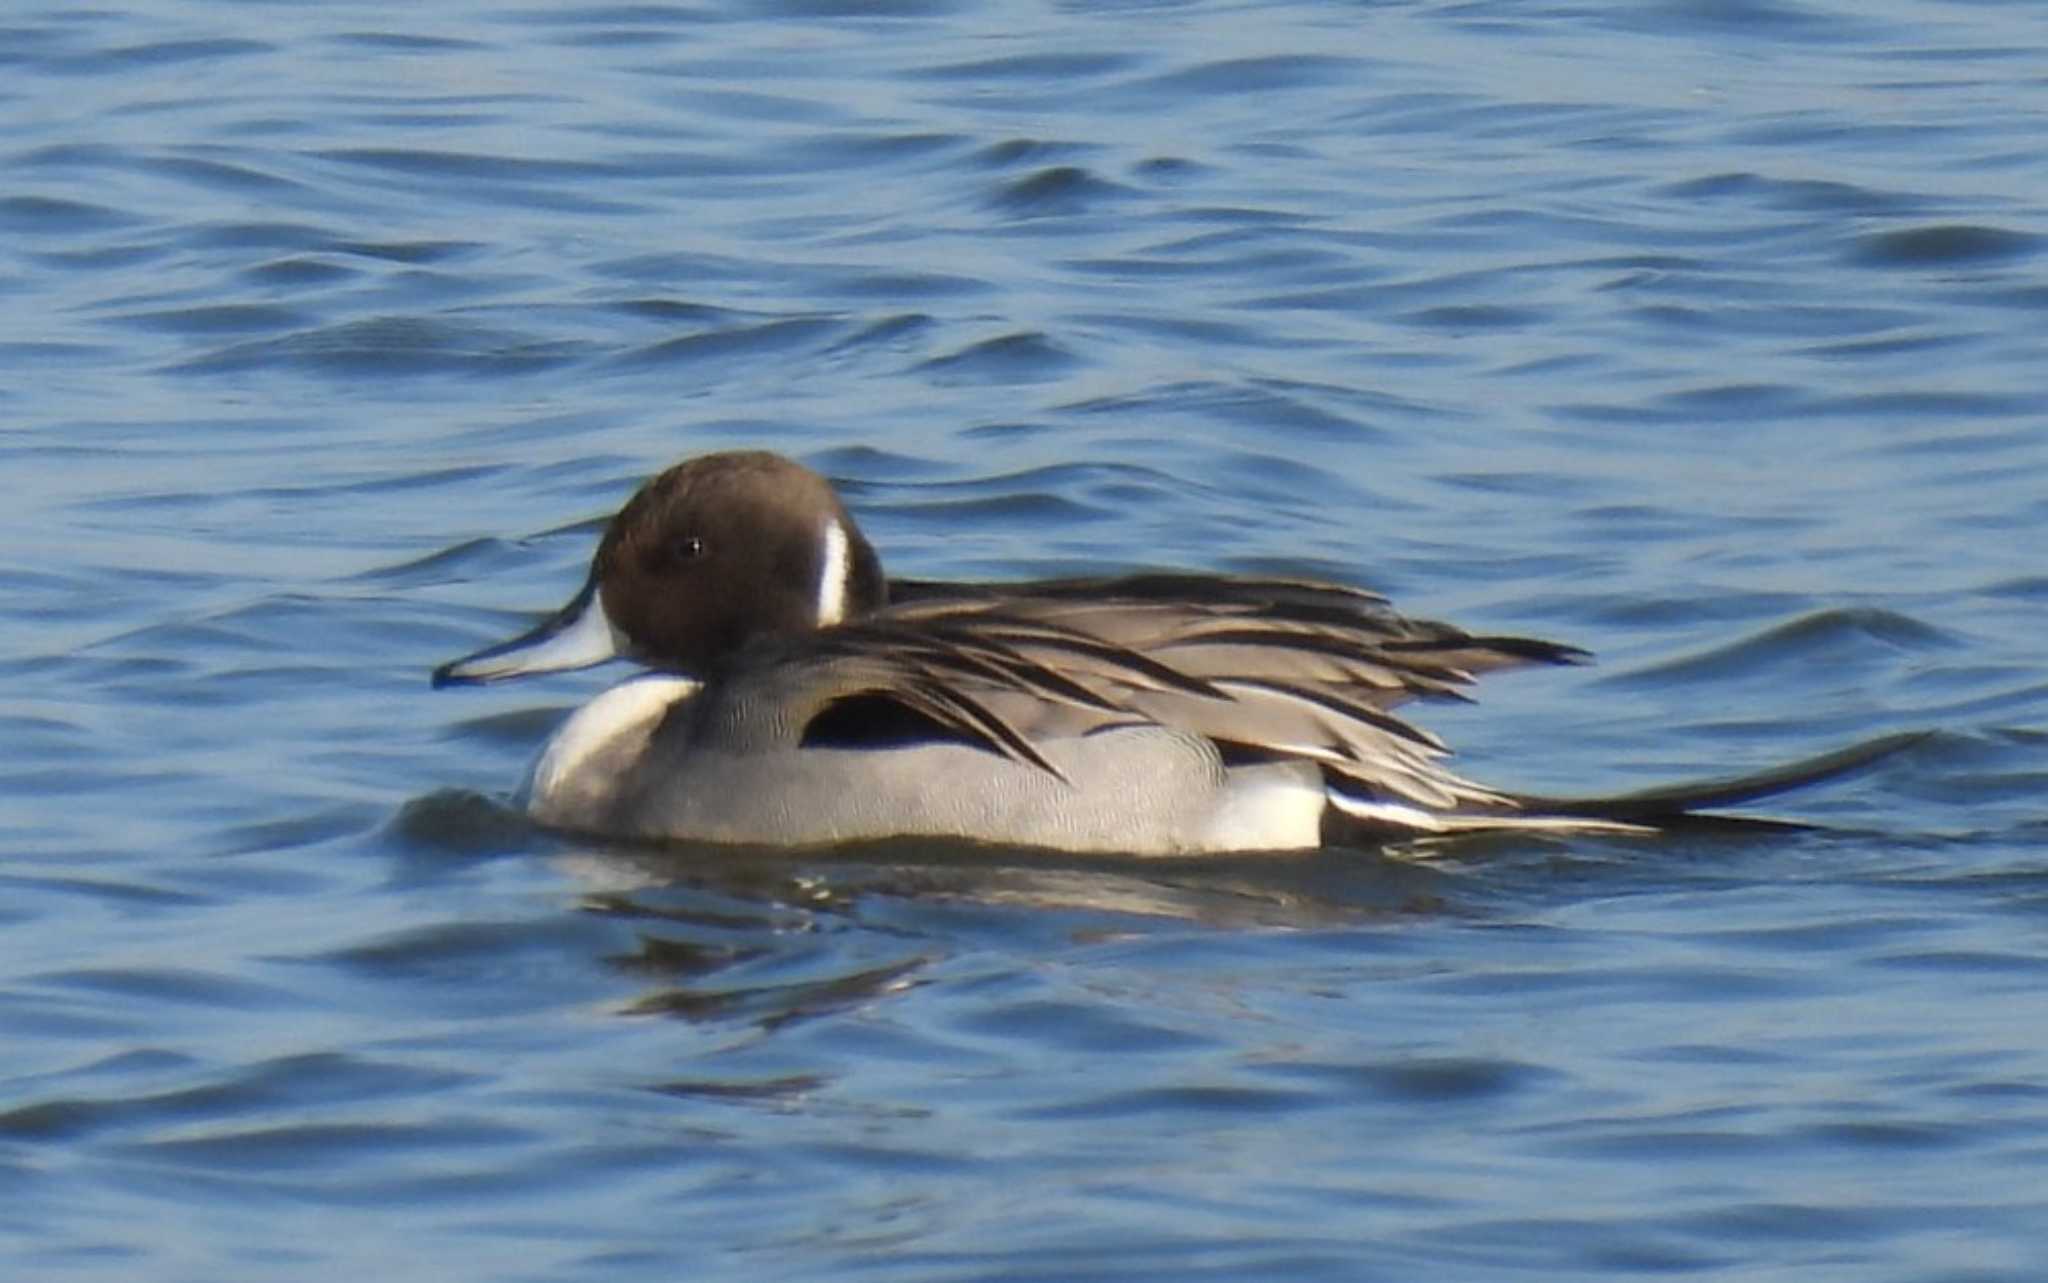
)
(836, 575)
(1398, 814)
(1274, 807)
(1417, 820)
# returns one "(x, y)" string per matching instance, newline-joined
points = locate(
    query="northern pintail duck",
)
(798, 697)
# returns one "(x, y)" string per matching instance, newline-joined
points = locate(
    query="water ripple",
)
(1005, 359)
(1945, 246)
(52, 215)
(395, 345)
(1059, 190)
(154, 55)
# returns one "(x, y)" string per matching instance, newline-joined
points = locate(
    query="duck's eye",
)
(660, 557)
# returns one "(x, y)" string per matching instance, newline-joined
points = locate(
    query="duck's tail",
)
(1648, 810)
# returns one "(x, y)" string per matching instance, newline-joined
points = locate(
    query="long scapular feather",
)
(1125, 664)
(1333, 705)
(951, 707)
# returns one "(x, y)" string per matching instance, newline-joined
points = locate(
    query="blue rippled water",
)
(1707, 335)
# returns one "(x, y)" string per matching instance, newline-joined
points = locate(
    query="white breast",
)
(610, 728)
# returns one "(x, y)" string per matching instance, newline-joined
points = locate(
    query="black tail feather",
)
(1668, 803)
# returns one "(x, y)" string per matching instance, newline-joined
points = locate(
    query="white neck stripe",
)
(836, 576)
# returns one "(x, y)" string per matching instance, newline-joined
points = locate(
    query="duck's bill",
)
(580, 635)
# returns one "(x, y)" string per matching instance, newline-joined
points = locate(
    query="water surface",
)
(1705, 335)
